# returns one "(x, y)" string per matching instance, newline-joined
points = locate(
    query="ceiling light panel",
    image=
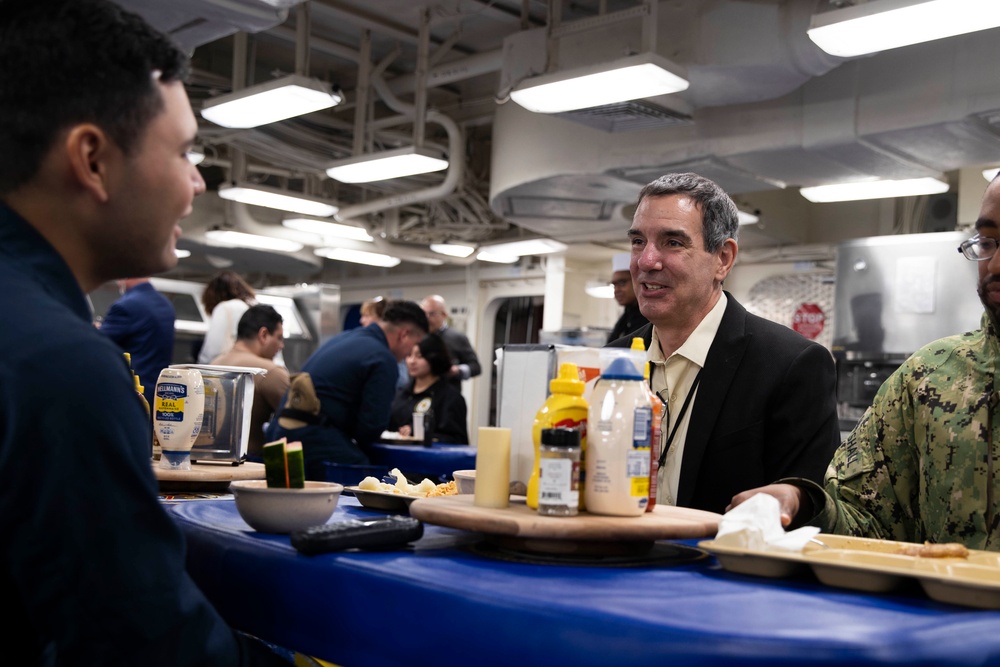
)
(522, 248)
(255, 241)
(327, 229)
(385, 165)
(452, 249)
(258, 195)
(880, 25)
(629, 78)
(874, 190)
(269, 102)
(358, 256)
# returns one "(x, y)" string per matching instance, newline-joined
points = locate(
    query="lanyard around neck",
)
(680, 415)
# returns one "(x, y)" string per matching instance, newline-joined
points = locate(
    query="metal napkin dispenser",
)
(225, 427)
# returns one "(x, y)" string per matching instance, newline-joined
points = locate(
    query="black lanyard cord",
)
(680, 416)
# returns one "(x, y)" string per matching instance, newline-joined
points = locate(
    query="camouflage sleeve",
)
(872, 482)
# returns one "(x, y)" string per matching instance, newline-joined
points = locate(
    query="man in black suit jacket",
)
(762, 397)
(466, 360)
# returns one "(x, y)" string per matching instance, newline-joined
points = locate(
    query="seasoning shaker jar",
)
(559, 468)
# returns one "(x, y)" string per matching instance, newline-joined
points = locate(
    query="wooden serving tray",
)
(520, 521)
(207, 476)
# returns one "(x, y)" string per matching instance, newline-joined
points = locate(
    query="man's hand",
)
(454, 371)
(789, 498)
(405, 430)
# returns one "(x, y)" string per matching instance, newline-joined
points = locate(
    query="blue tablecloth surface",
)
(437, 461)
(439, 603)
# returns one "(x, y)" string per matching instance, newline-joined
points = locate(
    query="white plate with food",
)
(382, 500)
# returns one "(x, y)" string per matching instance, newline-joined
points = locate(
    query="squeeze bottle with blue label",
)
(656, 424)
(619, 430)
(565, 407)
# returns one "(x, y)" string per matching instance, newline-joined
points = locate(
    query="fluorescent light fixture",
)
(874, 190)
(358, 256)
(452, 249)
(196, 156)
(629, 78)
(256, 241)
(496, 257)
(522, 248)
(258, 195)
(599, 290)
(990, 174)
(270, 101)
(181, 254)
(880, 25)
(327, 229)
(385, 165)
(747, 218)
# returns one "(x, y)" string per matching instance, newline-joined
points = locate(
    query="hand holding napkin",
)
(756, 524)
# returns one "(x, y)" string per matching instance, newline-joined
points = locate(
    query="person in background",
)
(427, 363)
(372, 310)
(141, 321)
(919, 465)
(259, 337)
(339, 404)
(747, 400)
(226, 297)
(621, 280)
(95, 126)
(466, 361)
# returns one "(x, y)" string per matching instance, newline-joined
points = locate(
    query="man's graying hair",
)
(719, 215)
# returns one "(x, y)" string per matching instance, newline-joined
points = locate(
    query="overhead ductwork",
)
(768, 110)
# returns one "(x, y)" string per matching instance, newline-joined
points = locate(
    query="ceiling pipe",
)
(456, 159)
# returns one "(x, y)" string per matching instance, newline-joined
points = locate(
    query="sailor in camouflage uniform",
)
(923, 462)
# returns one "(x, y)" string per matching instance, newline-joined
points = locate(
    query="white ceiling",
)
(766, 112)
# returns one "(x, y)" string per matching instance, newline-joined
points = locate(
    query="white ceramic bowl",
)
(275, 510)
(465, 480)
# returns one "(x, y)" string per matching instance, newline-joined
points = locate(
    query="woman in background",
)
(428, 393)
(371, 310)
(226, 297)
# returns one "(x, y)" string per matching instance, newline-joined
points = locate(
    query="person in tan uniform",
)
(259, 337)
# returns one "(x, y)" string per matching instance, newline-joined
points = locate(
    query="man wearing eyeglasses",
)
(922, 463)
(621, 280)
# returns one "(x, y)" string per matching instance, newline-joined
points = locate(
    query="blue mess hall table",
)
(437, 461)
(444, 602)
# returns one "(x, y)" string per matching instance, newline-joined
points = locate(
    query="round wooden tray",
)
(206, 476)
(520, 525)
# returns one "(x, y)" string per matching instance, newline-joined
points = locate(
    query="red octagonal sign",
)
(809, 320)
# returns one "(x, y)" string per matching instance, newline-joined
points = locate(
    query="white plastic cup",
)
(418, 425)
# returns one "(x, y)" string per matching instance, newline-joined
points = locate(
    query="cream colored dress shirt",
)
(672, 379)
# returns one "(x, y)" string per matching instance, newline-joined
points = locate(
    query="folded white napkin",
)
(756, 524)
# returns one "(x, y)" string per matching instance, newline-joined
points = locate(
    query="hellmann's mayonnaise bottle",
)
(565, 407)
(618, 437)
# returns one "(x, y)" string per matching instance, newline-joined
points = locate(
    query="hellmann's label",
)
(170, 402)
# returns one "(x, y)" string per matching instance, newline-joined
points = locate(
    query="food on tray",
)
(425, 488)
(929, 550)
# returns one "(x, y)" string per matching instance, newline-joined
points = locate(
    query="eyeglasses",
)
(979, 248)
(621, 282)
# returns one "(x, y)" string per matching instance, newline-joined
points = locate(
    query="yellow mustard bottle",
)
(565, 407)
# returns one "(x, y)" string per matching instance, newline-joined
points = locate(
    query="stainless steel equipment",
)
(895, 294)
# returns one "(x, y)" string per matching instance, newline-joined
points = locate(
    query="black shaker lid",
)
(561, 436)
